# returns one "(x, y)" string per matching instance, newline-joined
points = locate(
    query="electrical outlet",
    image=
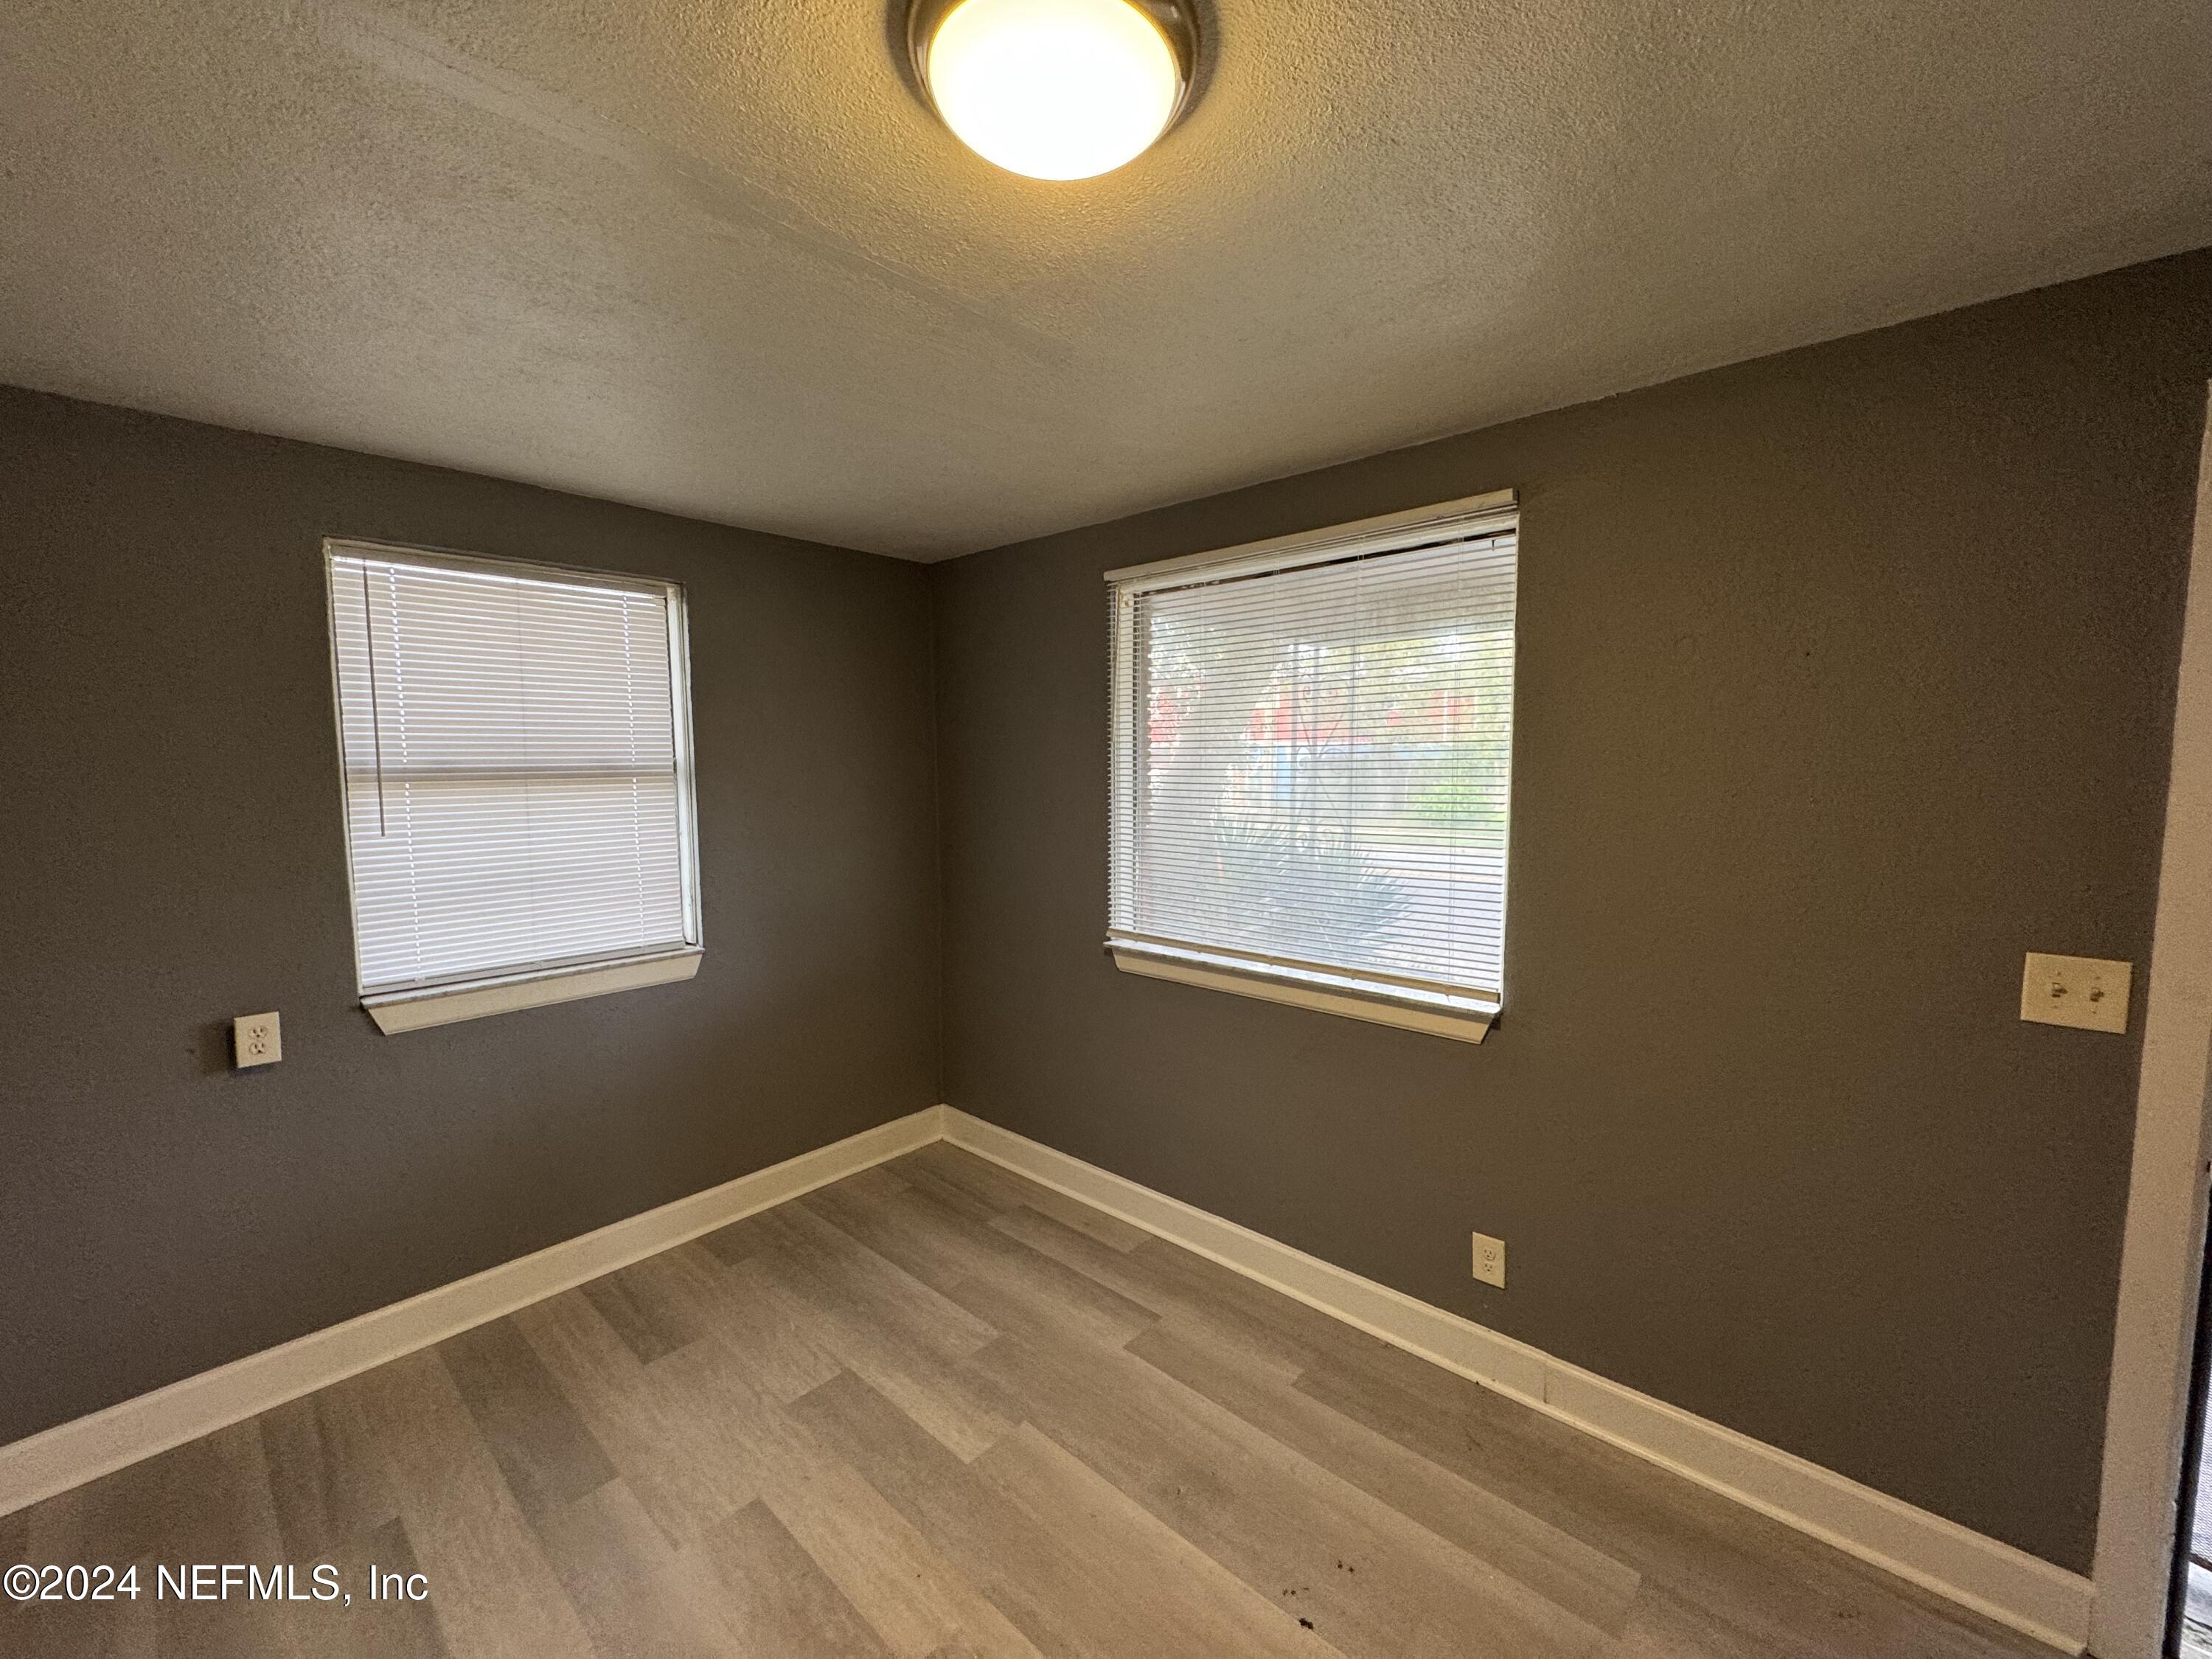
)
(255, 1040)
(2086, 991)
(1490, 1260)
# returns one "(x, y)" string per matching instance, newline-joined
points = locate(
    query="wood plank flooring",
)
(935, 1412)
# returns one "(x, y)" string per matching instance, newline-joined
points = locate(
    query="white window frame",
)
(1357, 994)
(473, 997)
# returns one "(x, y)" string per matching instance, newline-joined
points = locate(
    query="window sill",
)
(410, 1011)
(1470, 1024)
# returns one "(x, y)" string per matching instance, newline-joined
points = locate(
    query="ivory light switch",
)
(2084, 991)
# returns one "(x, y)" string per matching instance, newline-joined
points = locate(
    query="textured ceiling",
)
(715, 257)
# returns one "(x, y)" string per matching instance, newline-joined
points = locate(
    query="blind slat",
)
(1312, 765)
(516, 777)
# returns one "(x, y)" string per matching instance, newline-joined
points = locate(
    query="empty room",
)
(1105, 829)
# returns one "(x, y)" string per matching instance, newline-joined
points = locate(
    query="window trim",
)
(1464, 1015)
(442, 1002)
(1472, 1026)
(410, 1011)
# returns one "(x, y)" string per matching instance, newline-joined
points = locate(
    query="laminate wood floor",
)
(935, 1412)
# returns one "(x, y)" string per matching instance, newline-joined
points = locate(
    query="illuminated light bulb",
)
(1053, 88)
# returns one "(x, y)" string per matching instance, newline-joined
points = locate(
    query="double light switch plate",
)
(2086, 991)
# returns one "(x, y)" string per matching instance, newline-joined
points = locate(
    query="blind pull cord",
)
(376, 717)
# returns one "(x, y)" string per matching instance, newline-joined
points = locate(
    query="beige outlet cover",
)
(2087, 991)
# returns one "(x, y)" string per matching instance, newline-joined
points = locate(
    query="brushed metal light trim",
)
(1177, 20)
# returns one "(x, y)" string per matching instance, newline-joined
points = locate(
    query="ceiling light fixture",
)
(1055, 89)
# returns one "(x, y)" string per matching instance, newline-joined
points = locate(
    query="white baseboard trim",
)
(2007, 1584)
(86, 1448)
(2010, 1585)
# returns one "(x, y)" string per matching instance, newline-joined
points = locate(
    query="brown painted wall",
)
(169, 823)
(1845, 678)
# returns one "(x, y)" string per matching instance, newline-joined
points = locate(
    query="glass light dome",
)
(1052, 89)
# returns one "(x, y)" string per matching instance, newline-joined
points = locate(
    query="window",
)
(1312, 746)
(516, 742)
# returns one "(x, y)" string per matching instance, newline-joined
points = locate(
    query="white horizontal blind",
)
(1312, 766)
(517, 773)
